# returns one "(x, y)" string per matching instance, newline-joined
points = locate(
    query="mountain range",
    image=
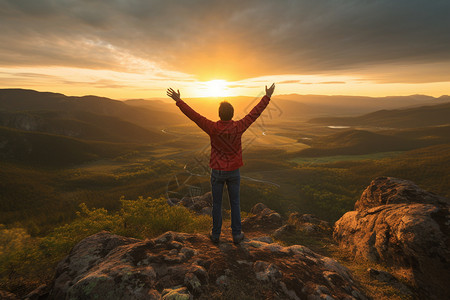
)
(36, 126)
(299, 107)
(356, 142)
(430, 115)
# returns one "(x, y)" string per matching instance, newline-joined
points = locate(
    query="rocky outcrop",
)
(185, 266)
(262, 218)
(305, 224)
(308, 223)
(389, 190)
(199, 204)
(284, 230)
(401, 225)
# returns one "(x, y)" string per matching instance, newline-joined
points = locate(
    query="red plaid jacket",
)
(225, 136)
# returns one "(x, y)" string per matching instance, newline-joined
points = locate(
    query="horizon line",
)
(217, 97)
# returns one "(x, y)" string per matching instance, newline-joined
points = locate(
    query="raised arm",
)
(198, 119)
(251, 117)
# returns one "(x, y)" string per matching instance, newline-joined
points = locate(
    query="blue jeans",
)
(233, 181)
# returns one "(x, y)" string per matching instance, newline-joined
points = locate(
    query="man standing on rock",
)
(226, 156)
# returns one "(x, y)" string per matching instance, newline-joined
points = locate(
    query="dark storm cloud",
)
(246, 38)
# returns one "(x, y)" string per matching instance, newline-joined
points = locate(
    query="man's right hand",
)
(269, 91)
(174, 95)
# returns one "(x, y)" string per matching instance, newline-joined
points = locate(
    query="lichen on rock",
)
(182, 266)
(401, 225)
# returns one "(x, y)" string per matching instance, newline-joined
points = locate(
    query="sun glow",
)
(215, 88)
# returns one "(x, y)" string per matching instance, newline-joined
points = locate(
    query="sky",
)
(126, 49)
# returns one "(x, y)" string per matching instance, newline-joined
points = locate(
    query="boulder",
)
(390, 190)
(284, 230)
(185, 266)
(199, 204)
(262, 218)
(309, 223)
(404, 227)
(258, 208)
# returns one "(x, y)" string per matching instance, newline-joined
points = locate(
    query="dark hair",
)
(226, 111)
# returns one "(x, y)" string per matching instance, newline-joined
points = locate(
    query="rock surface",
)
(309, 223)
(183, 266)
(390, 190)
(262, 218)
(199, 204)
(399, 224)
(284, 230)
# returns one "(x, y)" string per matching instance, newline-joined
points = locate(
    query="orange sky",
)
(137, 49)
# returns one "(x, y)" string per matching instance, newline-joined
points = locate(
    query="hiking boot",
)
(238, 238)
(214, 238)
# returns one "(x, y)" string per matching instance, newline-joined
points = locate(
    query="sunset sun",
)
(215, 88)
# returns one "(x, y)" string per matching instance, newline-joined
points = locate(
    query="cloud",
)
(227, 39)
(31, 75)
(332, 82)
(101, 83)
(289, 81)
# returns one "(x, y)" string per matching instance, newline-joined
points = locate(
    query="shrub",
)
(26, 262)
(151, 217)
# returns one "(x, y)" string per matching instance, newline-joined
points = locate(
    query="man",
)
(226, 156)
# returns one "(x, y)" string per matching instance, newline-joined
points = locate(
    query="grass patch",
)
(323, 244)
(318, 243)
(372, 287)
(336, 158)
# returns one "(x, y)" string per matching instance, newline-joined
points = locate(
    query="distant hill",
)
(296, 106)
(156, 105)
(357, 105)
(304, 106)
(355, 142)
(83, 125)
(157, 113)
(208, 107)
(14, 100)
(400, 118)
(432, 135)
(48, 150)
